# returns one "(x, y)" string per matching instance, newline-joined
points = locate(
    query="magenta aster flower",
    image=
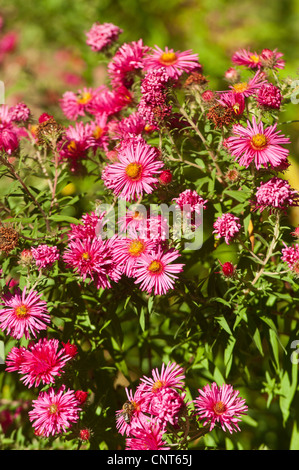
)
(19, 113)
(135, 173)
(191, 203)
(254, 143)
(92, 260)
(45, 256)
(175, 63)
(290, 255)
(39, 363)
(250, 87)
(77, 104)
(171, 376)
(89, 226)
(132, 413)
(126, 252)
(153, 105)
(276, 194)
(76, 142)
(110, 102)
(220, 405)
(247, 58)
(9, 141)
(54, 412)
(234, 101)
(269, 96)
(167, 405)
(148, 436)
(272, 59)
(227, 226)
(101, 36)
(155, 273)
(23, 314)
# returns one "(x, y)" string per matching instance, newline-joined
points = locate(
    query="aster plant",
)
(149, 256)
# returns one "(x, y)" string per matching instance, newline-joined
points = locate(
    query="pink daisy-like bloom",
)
(19, 113)
(92, 260)
(89, 227)
(272, 59)
(235, 101)
(174, 63)
(126, 252)
(220, 405)
(227, 226)
(110, 102)
(171, 376)
(101, 36)
(290, 255)
(155, 271)
(39, 363)
(167, 406)
(135, 173)
(132, 413)
(133, 124)
(191, 203)
(77, 104)
(269, 96)
(76, 142)
(148, 436)
(127, 61)
(254, 143)
(23, 314)
(54, 412)
(9, 141)
(45, 256)
(276, 194)
(250, 87)
(247, 58)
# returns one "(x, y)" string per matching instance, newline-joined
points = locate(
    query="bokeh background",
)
(43, 53)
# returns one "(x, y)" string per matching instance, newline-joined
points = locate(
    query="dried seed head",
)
(8, 239)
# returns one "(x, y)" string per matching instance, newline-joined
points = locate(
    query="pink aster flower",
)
(39, 363)
(23, 314)
(220, 405)
(101, 36)
(148, 436)
(135, 173)
(132, 413)
(89, 227)
(247, 58)
(254, 143)
(290, 255)
(272, 59)
(167, 406)
(127, 61)
(171, 376)
(75, 142)
(175, 63)
(45, 256)
(126, 252)
(275, 194)
(192, 204)
(54, 412)
(132, 124)
(77, 104)
(92, 260)
(109, 102)
(9, 141)
(227, 226)
(269, 96)
(19, 112)
(250, 87)
(153, 105)
(156, 273)
(235, 101)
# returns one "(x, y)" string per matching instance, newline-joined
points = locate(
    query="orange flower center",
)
(157, 385)
(259, 141)
(85, 255)
(240, 87)
(155, 267)
(98, 132)
(219, 408)
(72, 146)
(21, 311)
(136, 247)
(134, 171)
(53, 409)
(84, 98)
(168, 58)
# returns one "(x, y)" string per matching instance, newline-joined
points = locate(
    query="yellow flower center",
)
(168, 58)
(98, 132)
(84, 98)
(21, 311)
(157, 385)
(136, 247)
(155, 267)
(85, 255)
(134, 171)
(240, 87)
(53, 409)
(72, 146)
(219, 408)
(259, 141)
(255, 58)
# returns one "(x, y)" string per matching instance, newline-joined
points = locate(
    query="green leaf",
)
(223, 323)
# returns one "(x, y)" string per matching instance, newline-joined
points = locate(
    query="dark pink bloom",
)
(272, 59)
(174, 63)
(269, 96)
(171, 376)
(109, 102)
(220, 405)
(227, 226)
(290, 255)
(77, 104)
(89, 227)
(132, 413)
(191, 204)
(23, 314)
(54, 412)
(101, 36)
(247, 58)
(148, 436)
(39, 363)
(235, 101)
(153, 105)
(250, 87)
(126, 252)
(8, 42)
(275, 194)
(76, 142)
(19, 112)
(256, 144)
(155, 272)
(45, 256)
(167, 405)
